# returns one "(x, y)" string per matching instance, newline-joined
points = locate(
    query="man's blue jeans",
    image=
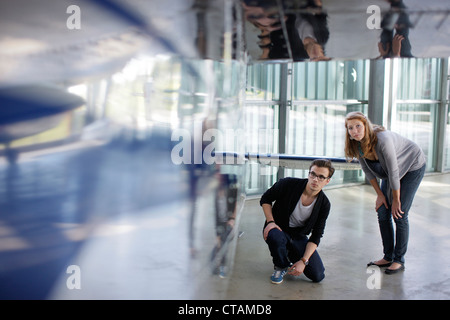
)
(395, 250)
(286, 249)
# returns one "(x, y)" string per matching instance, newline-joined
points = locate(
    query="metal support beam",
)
(378, 95)
(442, 117)
(285, 103)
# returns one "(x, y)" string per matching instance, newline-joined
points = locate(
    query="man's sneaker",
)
(277, 275)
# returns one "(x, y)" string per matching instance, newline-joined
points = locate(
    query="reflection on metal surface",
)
(289, 30)
(394, 38)
(30, 110)
(316, 30)
(226, 210)
(94, 205)
(300, 162)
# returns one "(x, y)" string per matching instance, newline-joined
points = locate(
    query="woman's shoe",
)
(372, 263)
(394, 271)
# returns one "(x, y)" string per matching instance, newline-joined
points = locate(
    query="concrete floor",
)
(350, 241)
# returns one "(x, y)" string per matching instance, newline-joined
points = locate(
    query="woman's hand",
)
(397, 45)
(381, 199)
(382, 50)
(396, 205)
(269, 227)
(397, 209)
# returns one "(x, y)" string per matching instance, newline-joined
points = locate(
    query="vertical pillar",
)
(442, 116)
(285, 103)
(379, 93)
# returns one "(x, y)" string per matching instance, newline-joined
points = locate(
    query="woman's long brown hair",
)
(369, 141)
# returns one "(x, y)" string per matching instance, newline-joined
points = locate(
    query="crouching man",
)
(295, 208)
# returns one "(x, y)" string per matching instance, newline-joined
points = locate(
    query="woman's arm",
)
(396, 204)
(388, 150)
(381, 199)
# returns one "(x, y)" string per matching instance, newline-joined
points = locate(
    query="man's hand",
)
(314, 50)
(297, 268)
(269, 227)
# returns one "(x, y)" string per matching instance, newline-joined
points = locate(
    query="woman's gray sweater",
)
(397, 156)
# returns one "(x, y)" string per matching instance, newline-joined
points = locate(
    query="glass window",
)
(418, 79)
(318, 130)
(447, 144)
(417, 123)
(416, 102)
(330, 80)
(323, 93)
(320, 94)
(261, 136)
(263, 82)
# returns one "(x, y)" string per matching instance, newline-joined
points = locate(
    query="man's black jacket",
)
(286, 194)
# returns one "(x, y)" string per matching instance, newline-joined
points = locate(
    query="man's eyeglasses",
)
(313, 175)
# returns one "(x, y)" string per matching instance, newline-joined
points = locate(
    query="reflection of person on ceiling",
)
(313, 33)
(397, 19)
(264, 16)
(307, 31)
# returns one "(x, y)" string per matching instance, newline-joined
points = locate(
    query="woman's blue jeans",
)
(395, 249)
(285, 249)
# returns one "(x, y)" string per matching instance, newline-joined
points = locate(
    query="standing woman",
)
(400, 164)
